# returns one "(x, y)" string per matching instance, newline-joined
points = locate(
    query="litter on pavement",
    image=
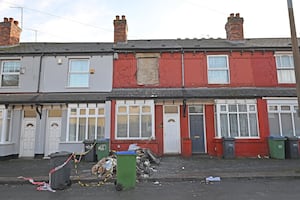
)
(145, 158)
(212, 179)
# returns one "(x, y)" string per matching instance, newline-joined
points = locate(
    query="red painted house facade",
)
(185, 96)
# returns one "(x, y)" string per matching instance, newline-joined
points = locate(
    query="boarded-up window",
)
(147, 68)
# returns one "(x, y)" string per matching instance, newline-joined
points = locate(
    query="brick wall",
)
(9, 32)
(234, 27)
(120, 29)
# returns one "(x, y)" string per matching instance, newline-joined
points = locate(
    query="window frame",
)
(2, 73)
(70, 73)
(140, 104)
(77, 116)
(279, 111)
(227, 112)
(280, 68)
(226, 69)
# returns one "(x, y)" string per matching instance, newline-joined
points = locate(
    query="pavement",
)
(171, 168)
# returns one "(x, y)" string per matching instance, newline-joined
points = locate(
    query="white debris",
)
(212, 179)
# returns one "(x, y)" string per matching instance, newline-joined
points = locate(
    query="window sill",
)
(241, 138)
(68, 87)
(140, 139)
(7, 143)
(71, 142)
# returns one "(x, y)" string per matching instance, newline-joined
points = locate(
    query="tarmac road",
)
(227, 189)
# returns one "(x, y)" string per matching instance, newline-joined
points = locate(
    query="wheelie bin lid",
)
(277, 138)
(126, 153)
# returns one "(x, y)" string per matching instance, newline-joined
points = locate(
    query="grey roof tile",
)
(147, 45)
(147, 93)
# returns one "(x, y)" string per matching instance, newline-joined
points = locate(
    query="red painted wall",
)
(170, 70)
(212, 148)
(243, 147)
(155, 145)
(246, 69)
(195, 74)
(124, 71)
(241, 72)
(264, 69)
(159, 134)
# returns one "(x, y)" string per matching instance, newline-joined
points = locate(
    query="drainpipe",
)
(40, 73)
(39, 108)
(182, 69)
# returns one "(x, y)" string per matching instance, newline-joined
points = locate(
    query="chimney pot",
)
(234, 27)
(11, 19)
(120, 29)
(5, 19)
(16, 23)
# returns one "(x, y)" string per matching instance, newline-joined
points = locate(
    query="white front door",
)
(171, 130)
(53, 135)
(27, 141)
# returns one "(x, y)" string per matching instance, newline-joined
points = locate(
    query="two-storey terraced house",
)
(174, 96)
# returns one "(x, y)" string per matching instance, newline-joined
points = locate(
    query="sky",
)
(92, 20)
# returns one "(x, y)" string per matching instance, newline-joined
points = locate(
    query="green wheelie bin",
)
(102, 148)
(126, 170)
(277, 147)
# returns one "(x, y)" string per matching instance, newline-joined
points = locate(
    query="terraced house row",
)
(174, 96)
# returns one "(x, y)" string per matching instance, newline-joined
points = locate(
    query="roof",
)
(57, 48)
(207, 44)
(201, 93)
(149, 45)
(147, 93)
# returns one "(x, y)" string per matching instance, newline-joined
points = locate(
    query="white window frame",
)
(70, 73)
(85, 107)
(287, 69)
(226, 69)
(4, 117)
(10, 73)
(249, 104)
(140, 103)
(292, 104)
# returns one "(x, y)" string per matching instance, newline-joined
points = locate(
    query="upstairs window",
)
(10, 73)
(218, 69)
(79, 73)
(285, 68)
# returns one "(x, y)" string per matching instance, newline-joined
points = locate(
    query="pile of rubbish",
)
(145, 159)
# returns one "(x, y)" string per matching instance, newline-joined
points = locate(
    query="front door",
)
(27, 142)
(53, 135)
(197, 128)
(171, 130)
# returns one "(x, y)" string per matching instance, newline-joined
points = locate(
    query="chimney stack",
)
(9, 32)
(120, 29)
(234, 27)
